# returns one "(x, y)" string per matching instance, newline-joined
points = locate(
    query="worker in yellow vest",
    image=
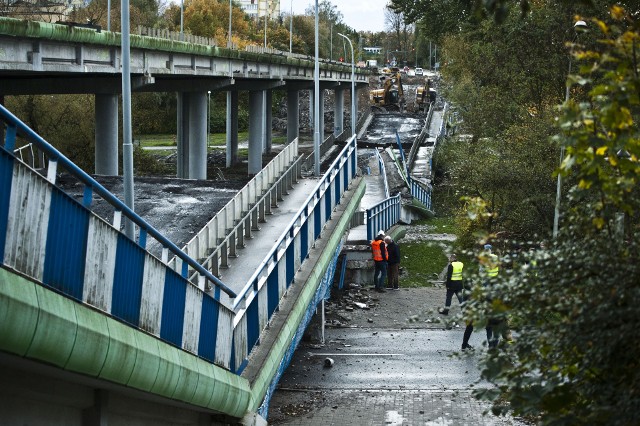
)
(453, 283)
(492, 270)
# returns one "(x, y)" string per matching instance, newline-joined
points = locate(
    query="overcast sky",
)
(361, 15)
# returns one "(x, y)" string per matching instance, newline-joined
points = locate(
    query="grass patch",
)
(440, 225)
(215, 139)
(278, 140)
(422, 262)
(156, 140)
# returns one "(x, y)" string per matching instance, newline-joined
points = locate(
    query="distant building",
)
(40, 10)
(372, 50)
(259, 8)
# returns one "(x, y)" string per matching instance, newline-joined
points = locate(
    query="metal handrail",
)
(421, 193)
(242, 294)
(383, 172)
(247, 196)
(383, 215)
(242, 224)
(16, 126)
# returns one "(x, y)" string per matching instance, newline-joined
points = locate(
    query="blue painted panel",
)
(66, 248)
(6, 177)
(253, 332)
(317, 221)
(345, 176)
(328, 199)
(173, 306)
(290, 269)
(304, 240)
(127, 281)
(208, 328)
(273, 296)
(232, 363)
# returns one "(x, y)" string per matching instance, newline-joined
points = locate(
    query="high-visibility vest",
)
(494, 266)
(377, 251)
(456, 275)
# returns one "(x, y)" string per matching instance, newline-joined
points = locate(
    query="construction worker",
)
(379, 253)
(454, 283)
(492, 269)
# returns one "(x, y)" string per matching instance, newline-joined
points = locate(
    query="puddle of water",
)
(393, 418)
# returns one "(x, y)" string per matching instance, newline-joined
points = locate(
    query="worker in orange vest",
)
(379, 252)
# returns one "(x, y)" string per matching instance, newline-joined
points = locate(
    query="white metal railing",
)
(383, 173)
(262, 293)
(215, 233)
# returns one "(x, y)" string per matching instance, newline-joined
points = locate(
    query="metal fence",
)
(261, 295)
(421, 193)
(47, 235)
(228, 229)
(383, 216)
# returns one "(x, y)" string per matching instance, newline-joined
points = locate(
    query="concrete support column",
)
(354, 120)
(338, 116)
(268, 130)
(256, 130)
(321, 103)
(182, 135)
(192, 135)
(311, 108)
(293, 115)
(232, 128)
(198, 135)
(106, 137)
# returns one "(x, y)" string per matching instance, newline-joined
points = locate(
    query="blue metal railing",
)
(16, 127)
(260, 297)
(47, 235)
(421, 193)
(383, 215)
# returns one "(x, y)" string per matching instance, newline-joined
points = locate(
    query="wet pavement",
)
(396, 361)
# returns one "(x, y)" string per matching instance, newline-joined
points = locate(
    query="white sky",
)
(361, 15)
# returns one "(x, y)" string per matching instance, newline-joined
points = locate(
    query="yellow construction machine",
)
(390, 97)
(425, 96)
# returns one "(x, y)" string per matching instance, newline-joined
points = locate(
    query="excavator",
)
(390, 97)
(425, 95)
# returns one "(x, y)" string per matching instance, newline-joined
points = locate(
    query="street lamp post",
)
(354, 117)
(578, 26)
(127, 146)
(316, 101)
(230, 18)
(208, 116)
(291, 29)
(182, 20)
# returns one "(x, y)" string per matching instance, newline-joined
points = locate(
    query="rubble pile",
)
(344, 304)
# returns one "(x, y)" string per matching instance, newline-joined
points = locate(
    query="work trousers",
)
(379, 273)
(393, 275)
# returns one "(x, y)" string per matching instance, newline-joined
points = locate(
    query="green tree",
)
(573, 307)
(65, 121)
(505, 80)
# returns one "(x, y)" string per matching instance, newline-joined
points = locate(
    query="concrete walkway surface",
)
(395, 362)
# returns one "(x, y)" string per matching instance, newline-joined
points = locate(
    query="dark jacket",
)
(393, 253)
